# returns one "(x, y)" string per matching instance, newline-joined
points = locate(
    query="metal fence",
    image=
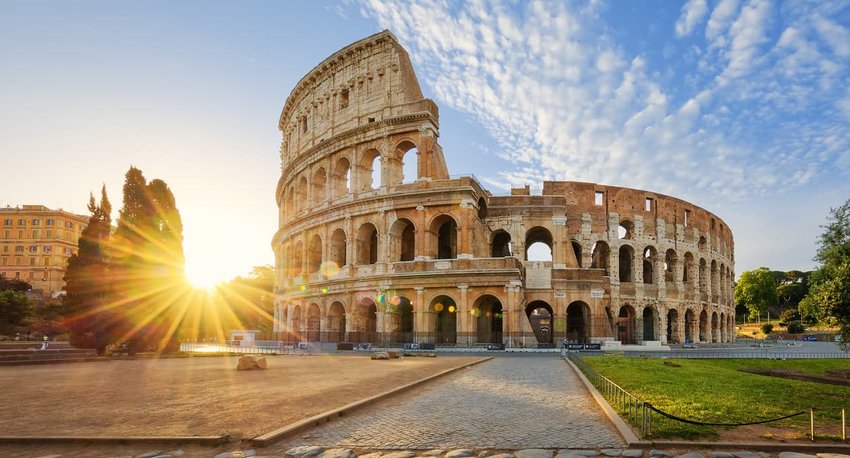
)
(649, 420)
(238, 346)
(744, 354)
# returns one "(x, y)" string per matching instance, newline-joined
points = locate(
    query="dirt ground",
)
(193, 396)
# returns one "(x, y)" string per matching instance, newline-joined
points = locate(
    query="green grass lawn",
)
(713, 390)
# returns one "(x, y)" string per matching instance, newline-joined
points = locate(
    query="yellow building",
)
(36, 243)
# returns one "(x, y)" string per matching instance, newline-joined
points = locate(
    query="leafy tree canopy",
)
(757, 290)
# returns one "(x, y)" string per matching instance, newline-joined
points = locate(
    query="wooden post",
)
(843, 426)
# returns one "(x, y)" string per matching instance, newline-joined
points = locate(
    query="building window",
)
(7, 234)
(5, 248)
(687, 216)
(46, 261)
(598, 198)
(48, 249)
(20, 234)
(8, 221)
(5, 261)
(343, 98)
(22, 222)
(49, 221)
(49, 233)
(648, 204)
(69, 225)
(67, 251)
(17, 275)
(19, 261)
(35, 222)
(33, 248)
(32, 275)
(32, 261)
(19, 249)
(35, 233)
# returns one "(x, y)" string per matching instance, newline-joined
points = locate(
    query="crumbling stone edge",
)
(117, 440)
(269, 438)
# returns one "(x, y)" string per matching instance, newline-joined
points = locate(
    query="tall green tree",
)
(88, 285)
(829, 295)
(756, 289)
(148, 261)
(15, 307)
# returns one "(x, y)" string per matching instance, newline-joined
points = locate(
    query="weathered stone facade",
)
(387, 258)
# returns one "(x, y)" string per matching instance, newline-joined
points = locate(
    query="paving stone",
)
(435, 452)
(501, 455)
(658, 454)
(460, 453)
(150, 454)
(796, 455)
(691, 455)
(233, 454)
(534, 453)
(832, 455)
(249, 452)
(502, 404)
(337, 453)
(611, 452)
(746, 454)
(576, 453)
(49, 456)
(632, 453)
(304, 451)
(404, 454)
(715, 454)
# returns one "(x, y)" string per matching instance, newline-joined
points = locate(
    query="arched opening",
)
(314, 254)
(703, 327)
(673, 326)
(403, 239)
(540, 315)
(578, 323)
(649, 319)
(538, 242)
(626, 325)
(296, 327)
(600, 257)
(297, 259)
(689, 326)
(715, 328)
(577, 252)
(715, 280)
(703, 279)
(367, 244)
(445, 228)
(487, 313)
(337, 249)
(482, 208)
(365, 322)
(649, 256)
(342, 178)
(376, 181)
(501, 246)
(400, 320)
(688, 269)
(369, 173)
(336, 323)
(320, 179)
(301, 195)
(445, 326)
(670, 266)
(702, 243)
(626, 230)
(627, 255)
(409, 155)
(314, 323)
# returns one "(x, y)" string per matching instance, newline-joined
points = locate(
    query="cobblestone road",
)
(505, 403)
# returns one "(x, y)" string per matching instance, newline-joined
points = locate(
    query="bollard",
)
(843, 426)
(812, 422)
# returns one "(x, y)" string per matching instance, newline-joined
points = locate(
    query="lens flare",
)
(329, 269)
(451, 309)
(395, 300)
(438, 307)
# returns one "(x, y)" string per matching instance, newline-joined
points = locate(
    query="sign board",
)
(597, 293)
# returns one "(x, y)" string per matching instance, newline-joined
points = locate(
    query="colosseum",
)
(378, 243)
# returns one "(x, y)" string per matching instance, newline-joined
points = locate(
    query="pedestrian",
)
(44, 345)
(564, 345)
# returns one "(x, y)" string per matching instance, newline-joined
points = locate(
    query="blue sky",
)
(742, 107)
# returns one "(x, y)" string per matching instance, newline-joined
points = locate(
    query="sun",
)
(203, 277)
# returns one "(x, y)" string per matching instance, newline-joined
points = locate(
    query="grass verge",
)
(715, 391)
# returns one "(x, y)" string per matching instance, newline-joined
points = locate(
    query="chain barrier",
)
(702, 423)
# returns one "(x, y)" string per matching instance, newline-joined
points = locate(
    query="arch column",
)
(662, 324)
(419, 313)
(462, 323)
(680, 324)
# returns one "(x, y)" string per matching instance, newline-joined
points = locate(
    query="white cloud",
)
(693, 13)
(565, 102)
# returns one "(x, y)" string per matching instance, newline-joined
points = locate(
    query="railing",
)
(235, 346)
(631, 408)
(648, 420)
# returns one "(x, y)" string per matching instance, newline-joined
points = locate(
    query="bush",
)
(796, 327)
(788, 316)
(767, 328)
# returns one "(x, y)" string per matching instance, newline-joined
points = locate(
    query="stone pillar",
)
(419, 312)
(662, 324)
(680, 321)
(559, 254)
(462, 322)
